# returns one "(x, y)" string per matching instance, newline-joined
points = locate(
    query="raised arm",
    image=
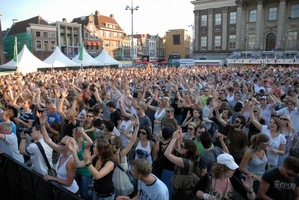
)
(168, 152)
(253, 120)
(135, 123)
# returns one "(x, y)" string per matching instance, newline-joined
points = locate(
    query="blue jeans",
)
(83, 183)
(165, 178)
(95, 197)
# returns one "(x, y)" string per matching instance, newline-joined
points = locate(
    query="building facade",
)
(177, 44)
(99, 32)
(225, 26)
(69, 36)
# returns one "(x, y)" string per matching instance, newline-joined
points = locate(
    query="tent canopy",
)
(26, 62)
(105, 58)
(87, 60)
(58, 59)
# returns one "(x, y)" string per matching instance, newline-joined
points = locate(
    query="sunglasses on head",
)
(284, 119)
(62, 144)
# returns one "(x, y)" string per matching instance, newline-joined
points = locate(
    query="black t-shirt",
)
(114, 117)
(69, 126)
(279, 186)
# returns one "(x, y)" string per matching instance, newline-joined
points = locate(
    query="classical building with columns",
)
(223, 27)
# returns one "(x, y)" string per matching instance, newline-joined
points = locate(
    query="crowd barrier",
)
(19, 182)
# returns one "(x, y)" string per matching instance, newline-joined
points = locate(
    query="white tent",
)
(26, 62)
(87, 60)
(105, 58)
(58, 59)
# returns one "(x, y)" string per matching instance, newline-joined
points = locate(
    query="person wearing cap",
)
(281, 183)
(221, 184)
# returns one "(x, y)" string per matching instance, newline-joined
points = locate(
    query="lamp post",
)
(193, 39)
(132, 38)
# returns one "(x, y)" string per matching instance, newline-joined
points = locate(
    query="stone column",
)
(224, 28)
(240, 5)
(259, 24)
(197, 25)
(281, 24)
(210, 28)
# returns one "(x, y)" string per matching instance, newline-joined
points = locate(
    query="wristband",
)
(88, 164)
(206, 196)
(23, 138)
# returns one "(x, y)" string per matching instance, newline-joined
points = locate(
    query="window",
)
(107, 34)
(38, 45)
(251, 41)
(86, 35)
(176, 39)
(204, 20)
(53, 45)
(233, 18)
(46, 45)
(52, 34)
(292, 36)
(203, 44)
(37, 33)
(232, 41)
(252, 16)
(295, 11)
(115, 35)
(46, 34)
(272, 14)
(217, 42)
(217, 19)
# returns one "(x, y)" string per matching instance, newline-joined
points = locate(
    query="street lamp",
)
(132, 38)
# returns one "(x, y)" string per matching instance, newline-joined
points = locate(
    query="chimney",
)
(112, 16)
(97, 13)
(64, 20)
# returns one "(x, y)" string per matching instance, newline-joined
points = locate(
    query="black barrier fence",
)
(18, 182)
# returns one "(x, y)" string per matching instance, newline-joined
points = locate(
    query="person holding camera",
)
(38, 163)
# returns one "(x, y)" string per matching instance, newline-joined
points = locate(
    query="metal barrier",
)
(19, 182)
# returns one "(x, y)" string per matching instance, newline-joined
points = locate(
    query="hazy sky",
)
(153, 16)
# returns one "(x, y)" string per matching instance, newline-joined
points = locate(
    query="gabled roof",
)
(20, 27)
(99, 21)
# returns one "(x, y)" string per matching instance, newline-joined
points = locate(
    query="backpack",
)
(185, 182)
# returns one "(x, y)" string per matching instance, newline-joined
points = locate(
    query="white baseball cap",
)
(228, 160)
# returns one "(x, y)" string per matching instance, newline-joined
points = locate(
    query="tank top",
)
(144, 152)
(82, 170)
(62, 174)
(256, 165)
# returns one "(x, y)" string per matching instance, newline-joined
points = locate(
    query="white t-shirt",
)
(38, 162)
(155, 191)
(10, 147)
(274, 144)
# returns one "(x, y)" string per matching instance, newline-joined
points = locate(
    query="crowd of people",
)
(157, 133)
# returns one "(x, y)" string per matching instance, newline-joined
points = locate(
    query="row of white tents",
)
(27, 62)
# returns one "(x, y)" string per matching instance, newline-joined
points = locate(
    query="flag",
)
(81, 52)
(294, 59)
(15, 50)
(122, 52)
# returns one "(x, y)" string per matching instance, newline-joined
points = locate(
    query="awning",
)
(88, 43)
(93, 43)
(99, 44)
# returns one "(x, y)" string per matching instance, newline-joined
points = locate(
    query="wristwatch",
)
(86, 165)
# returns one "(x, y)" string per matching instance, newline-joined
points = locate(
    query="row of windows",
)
(250, 43)
(217, 42)
(45, 34)
(272, 16)
(46, 45)
(106, 34)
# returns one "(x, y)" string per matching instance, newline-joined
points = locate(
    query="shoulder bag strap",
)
(43, 154)
(118, 165)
